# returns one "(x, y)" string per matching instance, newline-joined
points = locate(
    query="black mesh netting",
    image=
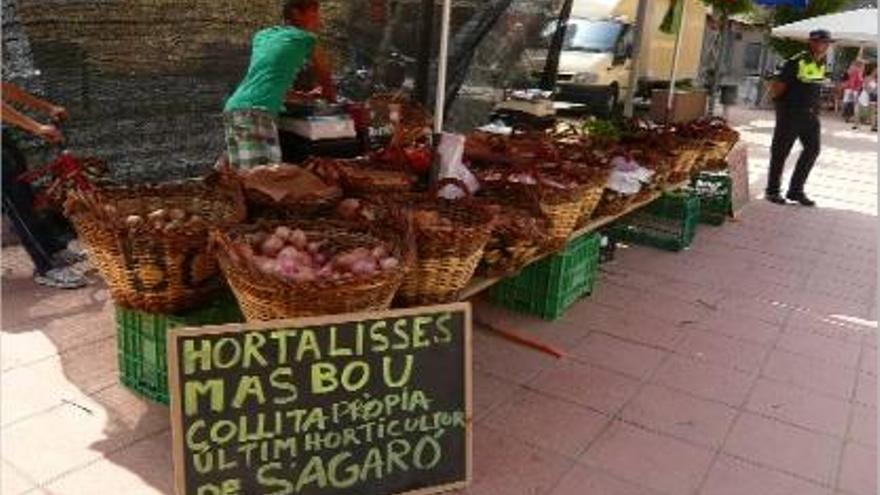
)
(145, 80)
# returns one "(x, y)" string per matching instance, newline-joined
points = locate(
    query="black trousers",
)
(36, 235)
(790, 127)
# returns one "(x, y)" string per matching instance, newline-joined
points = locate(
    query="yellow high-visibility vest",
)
(809, 71)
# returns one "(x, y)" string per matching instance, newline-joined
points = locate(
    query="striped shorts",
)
(251, 138)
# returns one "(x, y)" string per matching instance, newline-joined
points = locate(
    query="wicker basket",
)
(150, 269)
(563, 207)
(264, 297)
(613, 204)
(520, 234)
(686, 159)
(447, 254)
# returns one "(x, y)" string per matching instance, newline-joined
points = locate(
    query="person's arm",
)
(12, 116)
(785, 78)
(324, 72)
(13, 93)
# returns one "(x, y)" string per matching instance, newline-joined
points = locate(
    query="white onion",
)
(272, 246)
(388, 264)
(298, 238)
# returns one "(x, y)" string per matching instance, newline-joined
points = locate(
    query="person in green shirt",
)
(278, 53)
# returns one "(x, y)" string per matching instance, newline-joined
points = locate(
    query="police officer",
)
(796, 92)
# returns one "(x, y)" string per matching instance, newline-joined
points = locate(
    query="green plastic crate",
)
(141, 343)
(668, 223)
(549, 287)
(714, 190)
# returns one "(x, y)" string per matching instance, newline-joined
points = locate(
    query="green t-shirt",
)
(277, 55)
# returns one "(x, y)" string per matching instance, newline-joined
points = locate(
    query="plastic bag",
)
(451, 151)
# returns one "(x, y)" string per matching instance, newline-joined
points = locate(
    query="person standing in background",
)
(278, 54)
(867, 101)
(797, 93)
(48, 254)
(852, 86)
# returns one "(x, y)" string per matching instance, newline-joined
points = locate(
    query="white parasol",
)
(854, 27)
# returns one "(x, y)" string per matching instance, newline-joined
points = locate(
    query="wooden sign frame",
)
(174, 381)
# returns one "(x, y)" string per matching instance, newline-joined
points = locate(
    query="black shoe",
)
(776, 198)
(801, 199)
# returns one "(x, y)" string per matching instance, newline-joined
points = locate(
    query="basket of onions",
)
(150, 242)
(450, 236)
(292, 269)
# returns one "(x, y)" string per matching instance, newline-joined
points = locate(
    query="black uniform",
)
(797, 117)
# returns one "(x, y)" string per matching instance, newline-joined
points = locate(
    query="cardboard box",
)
(686, 105)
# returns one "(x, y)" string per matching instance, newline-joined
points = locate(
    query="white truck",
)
(596, 58)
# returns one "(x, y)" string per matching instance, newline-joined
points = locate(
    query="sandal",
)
(61, 278)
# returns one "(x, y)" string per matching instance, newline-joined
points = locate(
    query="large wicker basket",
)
(520, 234)
(447, 254)
(687, 156)
(263, 297)
(563, 206)
(150, 269)
(613, 204)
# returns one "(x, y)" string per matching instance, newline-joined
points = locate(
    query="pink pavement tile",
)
(645, 329)
(866, 390)
(489, 391)
(504, 359)
(858, 470)
(743, 328)
(619, 355)
(80, 433)
(821, 347)
(549, 423)
(663, 463)
(810, 373)
(12, 481)
(710, 382)
(582, 480)
(852, 330)
(868, 363)
(67, 377)
(680, 415)
(143, 468)
(788, 448)
(863, 425)
(721, 350)
(591, 315)
(615, 295)
(558, 334)
(672, 308)
(504, 465)
(731, 476)
(770, 310)
(589, 386)
(628, 275)
(799, 406)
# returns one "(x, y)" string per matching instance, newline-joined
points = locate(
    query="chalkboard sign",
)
(369, 404)
(738, 168)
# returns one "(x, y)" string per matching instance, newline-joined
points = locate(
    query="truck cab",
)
(595, 61)
(596, 58)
